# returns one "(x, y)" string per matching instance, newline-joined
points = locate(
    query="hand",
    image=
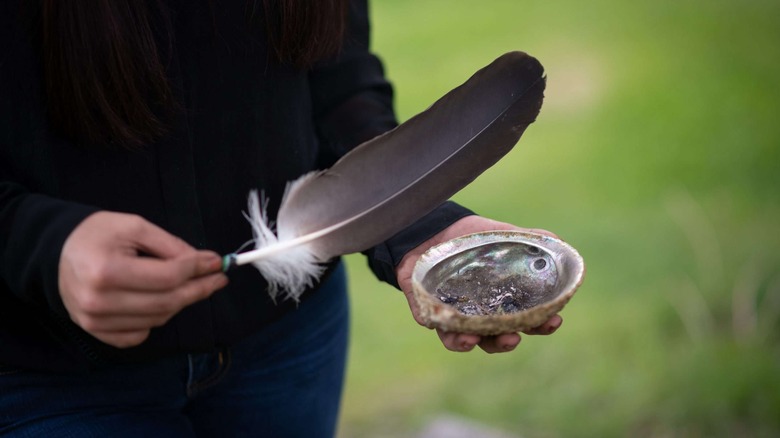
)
(466, 341)
(120, 276)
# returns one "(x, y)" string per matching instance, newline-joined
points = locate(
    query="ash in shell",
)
(496, 279)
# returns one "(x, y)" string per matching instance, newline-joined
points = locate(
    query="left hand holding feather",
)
(467, 341)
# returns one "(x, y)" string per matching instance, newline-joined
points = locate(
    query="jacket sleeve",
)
(352, 100)
(353, 103)
(33, 229)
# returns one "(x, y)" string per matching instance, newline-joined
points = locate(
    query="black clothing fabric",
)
(246, 122)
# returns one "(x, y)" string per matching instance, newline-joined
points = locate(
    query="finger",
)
(153, 240)
(547, 328)
(500, 343)
(134, 303)
(123, 339)
(123, 323)
(153, 274)
(460, 342)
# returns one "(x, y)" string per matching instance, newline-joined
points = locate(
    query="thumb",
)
(153, 240)
(414, 307)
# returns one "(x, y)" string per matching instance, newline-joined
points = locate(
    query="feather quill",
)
(387, 183)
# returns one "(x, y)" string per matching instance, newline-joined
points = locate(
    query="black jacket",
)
(247, 122)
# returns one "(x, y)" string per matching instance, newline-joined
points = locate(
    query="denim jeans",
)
(285, 381)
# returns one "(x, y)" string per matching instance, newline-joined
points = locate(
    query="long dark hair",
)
(104, 70)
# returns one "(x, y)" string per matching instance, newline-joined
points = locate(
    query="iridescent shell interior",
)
(496, 281)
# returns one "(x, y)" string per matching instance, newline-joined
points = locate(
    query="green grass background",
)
(657, 156)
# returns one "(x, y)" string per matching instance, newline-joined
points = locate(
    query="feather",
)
(387, 183)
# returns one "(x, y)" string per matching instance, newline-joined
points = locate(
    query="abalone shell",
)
(496, 281)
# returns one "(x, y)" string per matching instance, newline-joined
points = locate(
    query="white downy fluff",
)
(288, 266)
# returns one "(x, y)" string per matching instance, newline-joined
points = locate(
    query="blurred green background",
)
(657, 156)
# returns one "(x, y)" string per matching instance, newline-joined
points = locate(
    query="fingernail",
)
(222, 281)
(465, 346)
(212, 263)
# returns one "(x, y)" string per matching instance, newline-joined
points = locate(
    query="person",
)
(130, 135)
